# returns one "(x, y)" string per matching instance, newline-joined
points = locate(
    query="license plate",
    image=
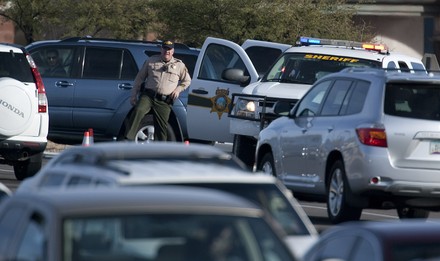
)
(434, 147)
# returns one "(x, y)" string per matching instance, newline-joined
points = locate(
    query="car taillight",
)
(42, 99)
(372, 137)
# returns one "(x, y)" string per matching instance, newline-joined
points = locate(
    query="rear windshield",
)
(267, 196)
(305, 68)
(15, 65)
(420, 101)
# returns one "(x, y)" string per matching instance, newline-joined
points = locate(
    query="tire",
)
(145, 133)
(409, 213)
(338, 209)
(267, 165)
(28, 168)
(244, 148)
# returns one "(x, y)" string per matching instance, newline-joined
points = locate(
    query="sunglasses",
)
(52, 57)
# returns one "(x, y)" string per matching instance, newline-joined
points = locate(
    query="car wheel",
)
(27, 168)
(337, 193)
(244, 148)
(145, 133)
(267, 165)
(405, 213)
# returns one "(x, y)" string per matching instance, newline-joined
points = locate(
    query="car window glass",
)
(54, 61)
(78, 181)
(420, 101)
(403, 66)
(307, 68)
(175, 236)
(102, 63)
(31, 247)
(53, 179)
(391, 65)
(217, 59)
(262, 57)
(15, 65)
(8, 224)
(310, 103)
(356, 98)
(336, 97)
(418, 68)
(129, 67)
(269, 197)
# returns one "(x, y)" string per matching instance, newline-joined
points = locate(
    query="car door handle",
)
(330, 128)
(200, 91)
(125, 86)
(63, 84)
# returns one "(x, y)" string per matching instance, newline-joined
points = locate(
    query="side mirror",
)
(235, 76)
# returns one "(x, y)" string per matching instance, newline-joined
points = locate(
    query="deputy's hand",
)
(175, 94)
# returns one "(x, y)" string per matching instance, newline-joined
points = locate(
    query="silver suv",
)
(24, 120)
(360, 138)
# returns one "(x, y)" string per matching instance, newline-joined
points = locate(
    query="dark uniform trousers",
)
(161, 112)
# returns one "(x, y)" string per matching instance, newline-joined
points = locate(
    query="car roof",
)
(4, 47)
(387, 75)
(128, 150)
(392, 230)
(110, 151)
(179, 47)
(347, 51)
(177, 199)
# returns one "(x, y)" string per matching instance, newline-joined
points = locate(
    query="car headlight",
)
(245, 108)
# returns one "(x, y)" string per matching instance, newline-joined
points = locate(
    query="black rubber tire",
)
(267, 165)
(409, 213)
(29, 167)
(338, 209)
(244, 148)
(148, 121)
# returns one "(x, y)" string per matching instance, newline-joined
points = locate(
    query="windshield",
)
(171, 236)
(306, 68)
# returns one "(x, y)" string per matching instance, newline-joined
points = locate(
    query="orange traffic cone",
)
(86, 139)
(92, 140)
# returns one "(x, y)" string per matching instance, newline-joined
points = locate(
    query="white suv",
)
(24, 119)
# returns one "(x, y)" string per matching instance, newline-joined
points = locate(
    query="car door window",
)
(55, 61)
(31, 246)
(108, 63)
(311, 102)
(218, 58)
(337, 248)
(262, 57)
(356, 98)
(336, 97)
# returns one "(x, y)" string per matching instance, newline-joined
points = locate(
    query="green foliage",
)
(272, 20)
(188, 21)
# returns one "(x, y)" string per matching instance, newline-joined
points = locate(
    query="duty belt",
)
(159, 96)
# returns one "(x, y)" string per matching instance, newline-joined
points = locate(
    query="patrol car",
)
(292, 75)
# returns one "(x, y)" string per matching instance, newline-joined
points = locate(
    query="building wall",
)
(7, 32)
(400, 34)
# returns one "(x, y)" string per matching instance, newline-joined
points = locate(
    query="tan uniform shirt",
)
(162, 77)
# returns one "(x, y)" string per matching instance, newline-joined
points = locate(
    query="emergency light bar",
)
(306, 41)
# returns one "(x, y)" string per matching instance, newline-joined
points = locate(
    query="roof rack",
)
(89, 38)
(307, 41)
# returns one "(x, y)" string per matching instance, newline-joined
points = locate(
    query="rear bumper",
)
(20, 150)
